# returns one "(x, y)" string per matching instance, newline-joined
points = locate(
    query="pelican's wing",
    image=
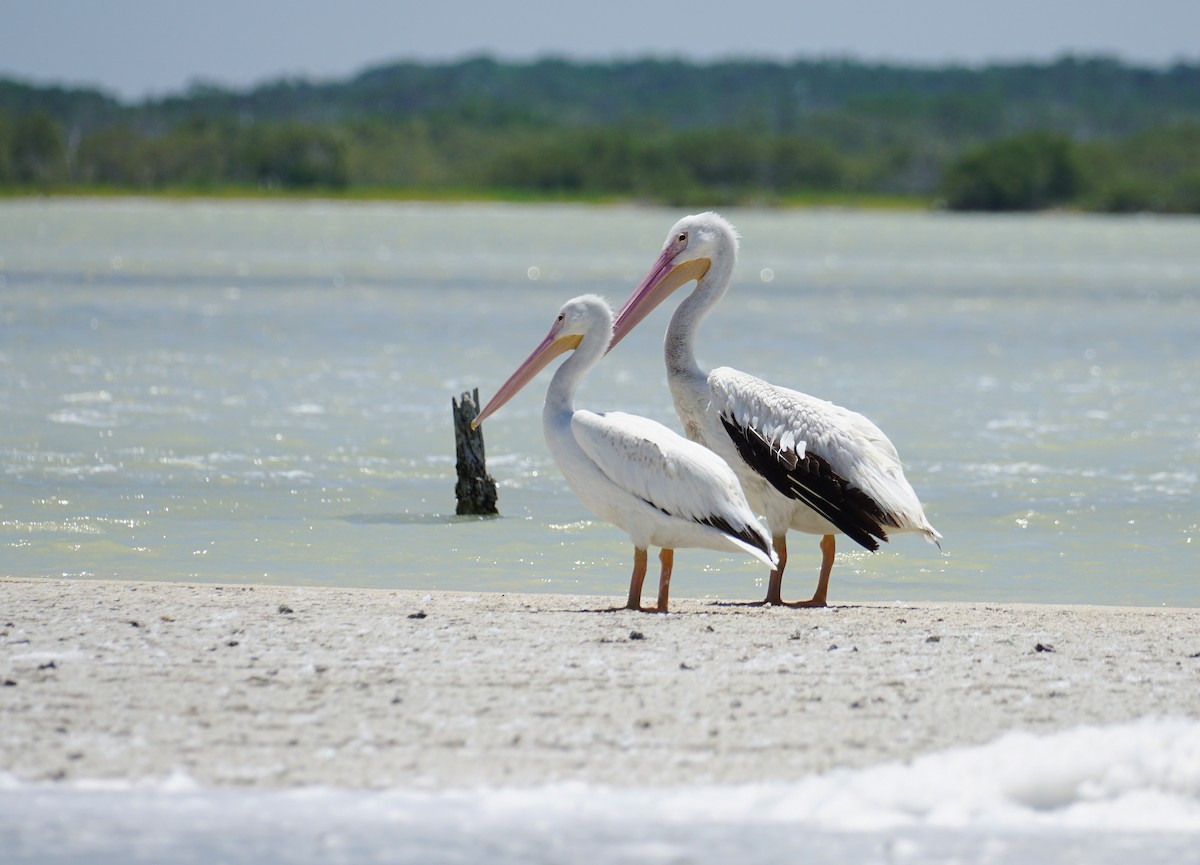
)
(677, 476)
(810, 450)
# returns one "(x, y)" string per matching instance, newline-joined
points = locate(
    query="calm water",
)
(261, 392)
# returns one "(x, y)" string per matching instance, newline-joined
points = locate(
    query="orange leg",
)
(779, 542)
(667, 558)
(828, 545)
(635, 582)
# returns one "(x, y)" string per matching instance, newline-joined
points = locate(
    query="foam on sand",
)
(1103, 793)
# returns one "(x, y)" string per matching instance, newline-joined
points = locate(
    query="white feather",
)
(649, 461)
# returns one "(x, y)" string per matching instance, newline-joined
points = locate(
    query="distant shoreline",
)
(848, 201)
(1087, 133)
(272, 686)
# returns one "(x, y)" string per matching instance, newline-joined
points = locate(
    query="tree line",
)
(1091, 134)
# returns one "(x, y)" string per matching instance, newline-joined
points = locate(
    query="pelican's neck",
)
(560, 397)
(679, 345)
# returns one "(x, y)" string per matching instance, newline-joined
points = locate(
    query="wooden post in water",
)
(475, 489)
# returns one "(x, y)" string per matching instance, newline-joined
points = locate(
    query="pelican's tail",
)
(750, 538)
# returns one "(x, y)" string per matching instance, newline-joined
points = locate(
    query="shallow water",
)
(233, 392)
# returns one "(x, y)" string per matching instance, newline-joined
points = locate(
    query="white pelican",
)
(662, 489)
(808, 464)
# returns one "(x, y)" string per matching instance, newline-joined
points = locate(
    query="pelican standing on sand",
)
(662, 489)
(809, 464)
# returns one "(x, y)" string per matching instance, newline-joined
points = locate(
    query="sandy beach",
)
(269, 686)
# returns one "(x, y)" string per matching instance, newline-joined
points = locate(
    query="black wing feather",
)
(812, 481)
(745, 533)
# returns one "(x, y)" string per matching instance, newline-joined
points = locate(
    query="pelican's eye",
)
(682, 237)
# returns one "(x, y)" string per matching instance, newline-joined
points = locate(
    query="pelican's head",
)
(579, 317)
(692, 245)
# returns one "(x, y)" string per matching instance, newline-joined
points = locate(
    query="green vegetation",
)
(1027, 172)
(1089, 134)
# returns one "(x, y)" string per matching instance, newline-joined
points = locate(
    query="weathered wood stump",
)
(475, 489)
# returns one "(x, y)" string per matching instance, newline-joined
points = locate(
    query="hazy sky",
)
(138, 47)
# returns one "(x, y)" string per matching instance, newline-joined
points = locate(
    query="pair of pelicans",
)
(805, 463)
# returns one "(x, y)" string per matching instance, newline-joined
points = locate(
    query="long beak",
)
(548, 349)
(662, 279)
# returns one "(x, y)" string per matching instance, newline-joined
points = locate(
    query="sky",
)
(139, 48)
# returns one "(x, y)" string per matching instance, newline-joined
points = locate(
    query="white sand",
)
(277, 686)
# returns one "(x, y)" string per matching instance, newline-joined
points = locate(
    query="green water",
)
(235, 391)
